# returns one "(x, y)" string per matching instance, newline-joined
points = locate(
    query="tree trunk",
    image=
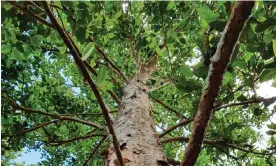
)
(134, 127)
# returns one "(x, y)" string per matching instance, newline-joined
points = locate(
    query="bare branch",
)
(230, 94)
(94, 151)
(56, 116)
(182, 123)
(134, 52)
(164, 83)
(219, 62)
(93, 71)
(168, 108)
(103, 55)
(31, 129)
(187, 121)
(257, 100)
(216, 143)
(76, 55)
(60, 142)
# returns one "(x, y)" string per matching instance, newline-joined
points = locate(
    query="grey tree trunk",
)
(134, 127)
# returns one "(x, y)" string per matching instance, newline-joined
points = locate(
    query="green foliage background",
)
(38, 72)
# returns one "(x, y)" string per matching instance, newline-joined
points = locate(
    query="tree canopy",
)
(48, 105)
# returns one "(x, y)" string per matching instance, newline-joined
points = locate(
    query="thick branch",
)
(219, 62)
(79, 63)
(56, 116)
(94, 151)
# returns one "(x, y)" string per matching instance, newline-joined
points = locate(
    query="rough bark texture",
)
(219, 62)
(134, 126)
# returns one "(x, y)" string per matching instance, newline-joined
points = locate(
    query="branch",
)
(60, 142)
(134, 52)
(219, 62)
(164, 83)
(182, 123)
(173, 162)
(257, 100)
(76, 55)
(30, 130)
(230, 94)
(187, 121)
(85, 114)
(215, 143)
(93, 71)
(94, 151)
(168, 108)
(56, 116)
(31, 14)
(102, 54)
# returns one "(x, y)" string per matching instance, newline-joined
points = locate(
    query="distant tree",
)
(136, 83)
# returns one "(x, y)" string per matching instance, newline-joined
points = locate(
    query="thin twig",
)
(60, 142)
(94, 151)
(257, 100)
(167, 107)
(103, 55)
(31, 129)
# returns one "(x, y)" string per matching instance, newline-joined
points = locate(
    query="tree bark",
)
(219, 62)
(135, 130)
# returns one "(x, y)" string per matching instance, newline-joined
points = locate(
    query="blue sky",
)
(30, 157)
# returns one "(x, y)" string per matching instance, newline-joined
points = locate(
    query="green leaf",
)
(80, 34)
(201, 71)
(117, 15)
(271, 126)
(257, 111)
(170, 5)
(16, 55)
(274, 46)
(271, 132)
(7, 6)
(63, 50)
(37, 39)
(239, 63)
(5, 49)
(227, 77)
(159, 51)
(87, 51)
(241, 98)
(268, 74)
(207, 14)
(102, 75)
(105, 86)
(186, 71)
(92, 63)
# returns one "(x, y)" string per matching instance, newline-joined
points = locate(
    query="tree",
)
(136, 83)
